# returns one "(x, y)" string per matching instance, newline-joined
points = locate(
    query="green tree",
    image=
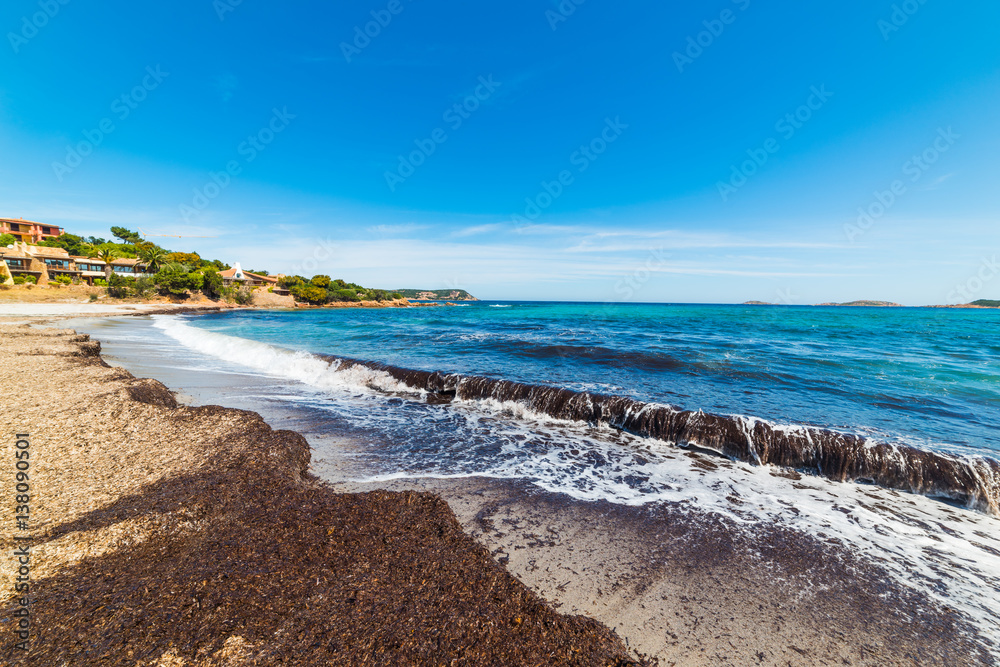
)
(212, 286)
(119, 287)
(177, 280)
(127, 236)
(7, 239)
(153, 257)
(107, 255)
(71, 243)
(345, 295)
(320, 281)
(309, 293)
(189, 258)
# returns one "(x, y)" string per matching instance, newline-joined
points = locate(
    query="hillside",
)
(437, 295)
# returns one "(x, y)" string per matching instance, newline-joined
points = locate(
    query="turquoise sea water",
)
(924, 377)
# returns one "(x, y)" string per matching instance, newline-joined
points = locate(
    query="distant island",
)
(865, 304)
(436, 295)
(981, 303)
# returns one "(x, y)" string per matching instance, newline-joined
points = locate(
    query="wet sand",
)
(694, 589)
(174, 536)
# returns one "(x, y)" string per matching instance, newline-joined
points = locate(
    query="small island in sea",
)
(865, 304)
(436, 295)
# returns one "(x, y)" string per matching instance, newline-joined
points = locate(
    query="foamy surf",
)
(275, 361)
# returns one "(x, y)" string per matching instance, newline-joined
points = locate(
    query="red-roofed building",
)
(27, 231)
(238, 276)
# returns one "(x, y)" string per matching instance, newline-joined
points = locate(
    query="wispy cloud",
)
(936, 183)
(396, 230)
(478, 230)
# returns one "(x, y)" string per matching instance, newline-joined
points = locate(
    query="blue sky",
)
(715, 152)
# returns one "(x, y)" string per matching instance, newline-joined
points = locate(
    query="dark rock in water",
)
(975, 483)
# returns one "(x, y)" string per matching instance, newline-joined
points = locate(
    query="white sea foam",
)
(275, 361)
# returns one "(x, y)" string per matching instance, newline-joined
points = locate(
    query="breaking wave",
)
(972, 481)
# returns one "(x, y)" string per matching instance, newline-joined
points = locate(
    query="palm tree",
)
(107, 255)
(153, 257)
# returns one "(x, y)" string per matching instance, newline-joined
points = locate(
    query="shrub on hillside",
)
(212, 285)
(309, 293)
(175, 280)
(120, 287)
(243, 296)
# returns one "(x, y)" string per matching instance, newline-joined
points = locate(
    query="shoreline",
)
(693, 590)
(196, 536)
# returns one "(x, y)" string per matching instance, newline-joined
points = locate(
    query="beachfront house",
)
(46, 264)
(27, 231)
(237, 276)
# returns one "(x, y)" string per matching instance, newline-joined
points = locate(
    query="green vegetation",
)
(25, 280)
(7, 239)
(122, 287)
(437, 295)
(180, 274)
(320, 289)
(987, 303)
(177, 279)
(127, 236)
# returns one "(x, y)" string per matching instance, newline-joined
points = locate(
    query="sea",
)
(874, 426)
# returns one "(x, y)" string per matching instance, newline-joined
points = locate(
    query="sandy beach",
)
(175, 535)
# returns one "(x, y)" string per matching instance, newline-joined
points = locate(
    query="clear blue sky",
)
(644, 220)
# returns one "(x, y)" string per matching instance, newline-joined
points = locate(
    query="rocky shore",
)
(175, 536)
